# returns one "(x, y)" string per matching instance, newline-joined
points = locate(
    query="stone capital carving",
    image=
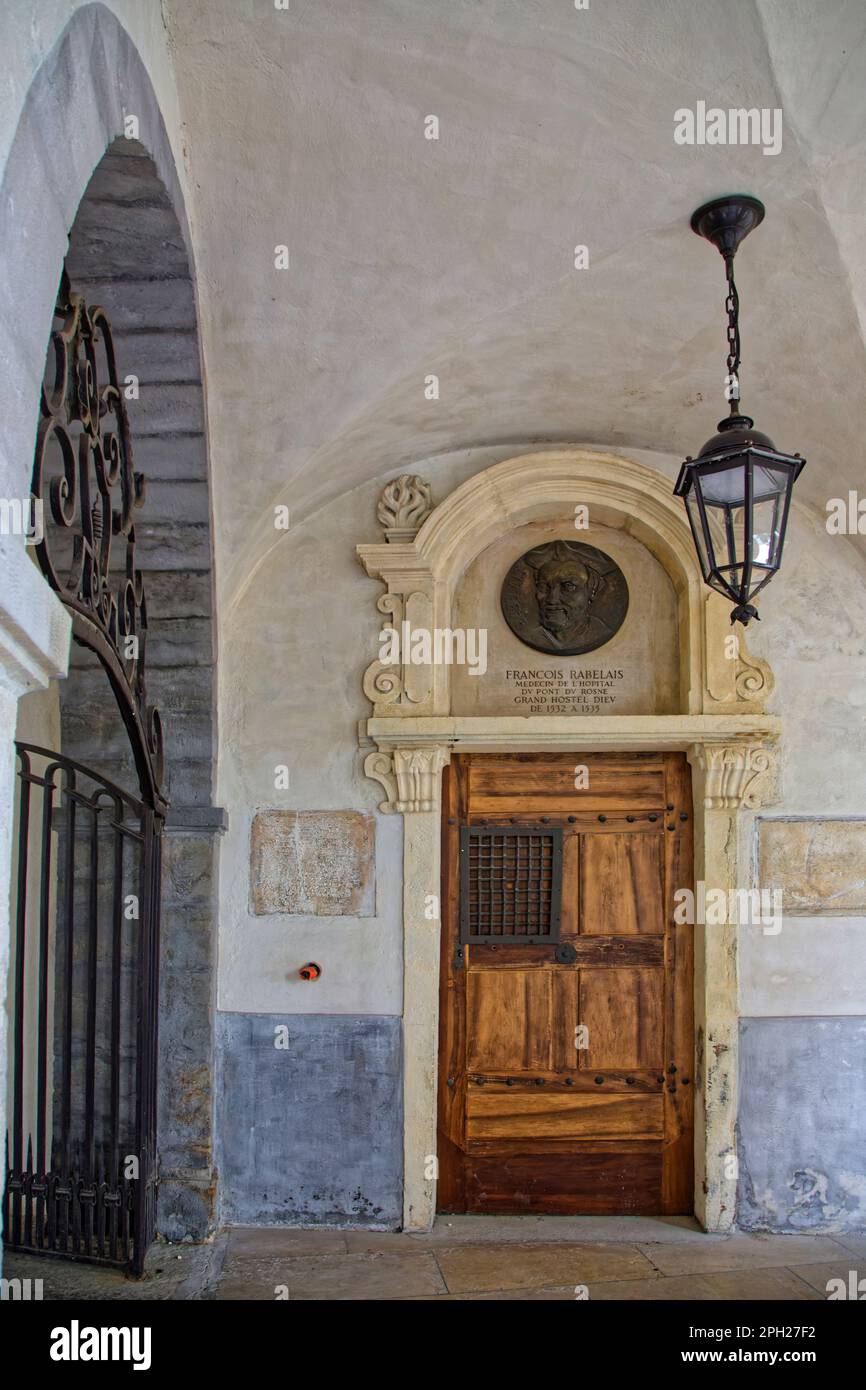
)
(736, 776)
(404, 506)
(412, 777)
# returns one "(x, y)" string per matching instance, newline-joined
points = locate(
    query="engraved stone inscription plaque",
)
(564, 597)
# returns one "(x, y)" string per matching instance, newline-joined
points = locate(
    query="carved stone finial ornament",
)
(404, 506)
(564, 597)
(738, 490)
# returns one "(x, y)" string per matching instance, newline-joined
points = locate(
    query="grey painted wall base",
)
(310, 1134)
(802, 1125)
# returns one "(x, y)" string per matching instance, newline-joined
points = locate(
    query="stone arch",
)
(535, 487)
(77, 191)
(75, 107)
(425, 569)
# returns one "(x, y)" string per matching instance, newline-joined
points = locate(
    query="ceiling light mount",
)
(727, 221)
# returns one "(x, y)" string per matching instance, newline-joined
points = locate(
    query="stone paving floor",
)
(469, 1258)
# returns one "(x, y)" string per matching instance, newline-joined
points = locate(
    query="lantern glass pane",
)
(769, 482)
(766, 530)
(727, 535)
(726, 487)
(694, 512)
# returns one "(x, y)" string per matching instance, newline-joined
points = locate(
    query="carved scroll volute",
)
(400, 680)
(736, 681)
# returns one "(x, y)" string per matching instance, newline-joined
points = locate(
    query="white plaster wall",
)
(295, 648)
(813, 633)
(407, 256)
(816, 966)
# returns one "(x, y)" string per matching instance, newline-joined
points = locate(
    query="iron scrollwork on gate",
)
(81, 1157)
(92, 490)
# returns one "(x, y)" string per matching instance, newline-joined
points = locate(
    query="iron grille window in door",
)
(510, 884)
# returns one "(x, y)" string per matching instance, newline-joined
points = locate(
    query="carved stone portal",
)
(730, 743)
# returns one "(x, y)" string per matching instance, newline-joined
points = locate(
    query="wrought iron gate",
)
(81, 1158)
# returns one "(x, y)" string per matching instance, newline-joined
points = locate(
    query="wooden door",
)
(566, 1023)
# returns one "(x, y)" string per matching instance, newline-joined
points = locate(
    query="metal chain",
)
(732, 305)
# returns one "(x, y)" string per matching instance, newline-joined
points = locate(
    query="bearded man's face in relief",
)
(562, 590)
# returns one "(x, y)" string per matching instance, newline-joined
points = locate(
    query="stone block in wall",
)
(313, 863)
(126, 178)
(175, 502)
(173, 546)
(819, 865)
(170, 457)
(159, 355)
(141, 304)
(113, 240)
(167, 408)
(178, 594)
(179, 642)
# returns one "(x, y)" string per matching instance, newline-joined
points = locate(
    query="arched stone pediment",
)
(422, 573)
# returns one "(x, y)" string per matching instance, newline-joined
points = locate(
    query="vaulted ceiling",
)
(454, 257)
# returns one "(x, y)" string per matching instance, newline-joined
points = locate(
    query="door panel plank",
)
(623, 1012)
(628, 1081)
(492, 1113)
(600, 951)
(621, 1182)
(508, 1020)
(621, 879)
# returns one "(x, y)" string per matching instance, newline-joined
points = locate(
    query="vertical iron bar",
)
(139, 1247)
(153, 1028)
(42, 1025)
(116, 948)
(18, 1035)
(88, 1177)
(68, 968)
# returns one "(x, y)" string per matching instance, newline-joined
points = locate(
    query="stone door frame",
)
(731, 745)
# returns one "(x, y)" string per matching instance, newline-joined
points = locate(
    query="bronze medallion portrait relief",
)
(564, 597)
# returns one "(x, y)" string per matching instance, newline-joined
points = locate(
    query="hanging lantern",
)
(738, 490)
